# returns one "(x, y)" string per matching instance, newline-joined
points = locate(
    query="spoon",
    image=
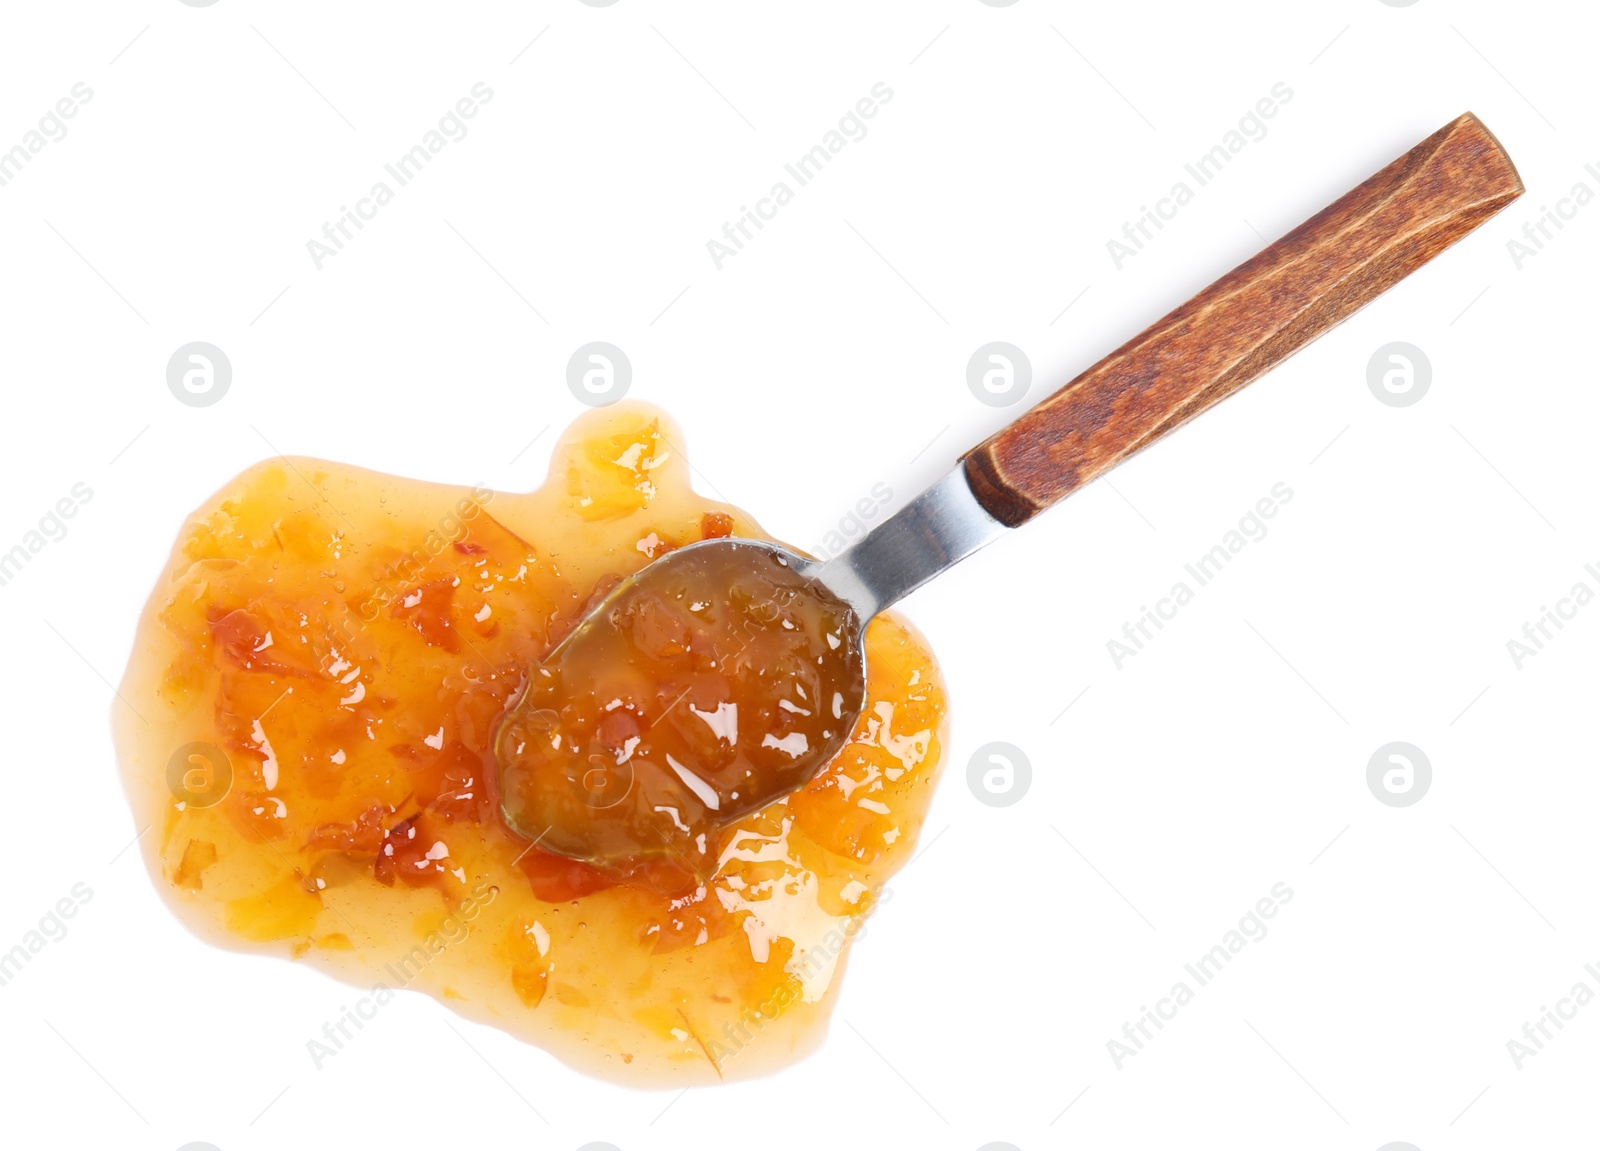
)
(727, 673)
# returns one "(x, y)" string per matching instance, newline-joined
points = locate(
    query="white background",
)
(1228, 756)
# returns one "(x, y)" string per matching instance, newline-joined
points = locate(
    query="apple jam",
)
(317, 688)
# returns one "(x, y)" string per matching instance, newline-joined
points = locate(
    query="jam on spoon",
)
(680, 704)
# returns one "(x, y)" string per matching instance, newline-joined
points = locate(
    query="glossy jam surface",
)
(717, 681)
(316, 689)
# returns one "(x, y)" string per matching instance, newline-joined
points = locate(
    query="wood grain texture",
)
(1257, 315)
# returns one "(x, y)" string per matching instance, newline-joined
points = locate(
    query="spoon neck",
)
(938, 529)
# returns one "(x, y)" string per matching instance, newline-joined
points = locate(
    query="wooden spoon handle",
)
(1257, 315)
